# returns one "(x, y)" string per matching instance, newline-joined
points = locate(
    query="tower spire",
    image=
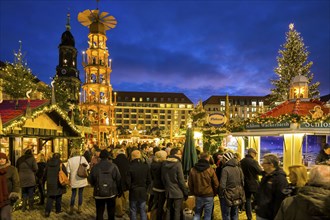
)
(97, 4)
(68, 27)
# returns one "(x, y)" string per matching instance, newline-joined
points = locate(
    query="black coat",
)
(322, 158)
(270, 194)
(251, 170)
(123, 165)
(156, 175)
(105, 165)
(138, 180)
(54, 188)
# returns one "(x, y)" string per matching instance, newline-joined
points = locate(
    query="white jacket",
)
(72, 168)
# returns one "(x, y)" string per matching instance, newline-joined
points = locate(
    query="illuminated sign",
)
(268, 125)
(217, 119)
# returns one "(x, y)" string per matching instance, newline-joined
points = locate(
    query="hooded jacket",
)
(202, 180)
(173, 180)
(270, 194)
(311, 203)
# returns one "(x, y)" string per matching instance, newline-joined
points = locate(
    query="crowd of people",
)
(148, 180)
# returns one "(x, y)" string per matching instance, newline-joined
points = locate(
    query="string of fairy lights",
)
(36, 113)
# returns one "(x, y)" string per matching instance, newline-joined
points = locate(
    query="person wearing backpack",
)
(105, 178)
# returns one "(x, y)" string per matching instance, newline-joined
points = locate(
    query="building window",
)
(182, 106)
(133, 99)
(148, 99)
(140, 99)
(155, 111)
(254, 103)
(155, 99)
(222, 103)
(168, 105)
(126, 110)
(140, 110)
(261, 104)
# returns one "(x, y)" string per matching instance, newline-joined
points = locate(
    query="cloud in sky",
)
(200, 48)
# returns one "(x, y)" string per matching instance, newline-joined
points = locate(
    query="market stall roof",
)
(299, 107)
(9, 111)
(15, 115)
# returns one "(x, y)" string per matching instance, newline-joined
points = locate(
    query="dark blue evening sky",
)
(200, 48)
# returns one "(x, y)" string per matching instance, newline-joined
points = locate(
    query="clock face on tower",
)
(63, 71)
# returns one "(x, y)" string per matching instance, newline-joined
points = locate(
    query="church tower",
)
(98, 99)
(67, 80)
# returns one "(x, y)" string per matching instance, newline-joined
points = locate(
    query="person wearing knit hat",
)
(231, 191)
(3, 156)
(228, 155)
(9, 186)
(105, 179)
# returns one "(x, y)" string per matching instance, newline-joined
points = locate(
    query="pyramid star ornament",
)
(291, 26)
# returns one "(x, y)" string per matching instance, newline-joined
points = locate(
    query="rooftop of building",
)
(156, 97)
(215, 99)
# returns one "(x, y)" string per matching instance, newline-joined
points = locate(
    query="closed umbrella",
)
(189, 156)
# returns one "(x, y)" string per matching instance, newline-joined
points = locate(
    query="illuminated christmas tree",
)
(17, 78)
(292, 61)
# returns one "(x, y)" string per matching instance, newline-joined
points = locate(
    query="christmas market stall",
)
(294, 123)
(35, 124)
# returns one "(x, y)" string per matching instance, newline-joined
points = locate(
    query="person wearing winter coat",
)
(76, 182)
(54, 189)
(122, 163)
(312, 200)
(103, 169)
(175, 186)
(231, 177)
(251, 170)
(158, 187)
(203, 184)
(270, 193)
(9, 187)
(27, 168)
(138, 180)
(324, 156)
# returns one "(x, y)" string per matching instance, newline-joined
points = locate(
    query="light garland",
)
(36, 113)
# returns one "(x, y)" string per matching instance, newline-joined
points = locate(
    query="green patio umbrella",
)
(189, 155)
